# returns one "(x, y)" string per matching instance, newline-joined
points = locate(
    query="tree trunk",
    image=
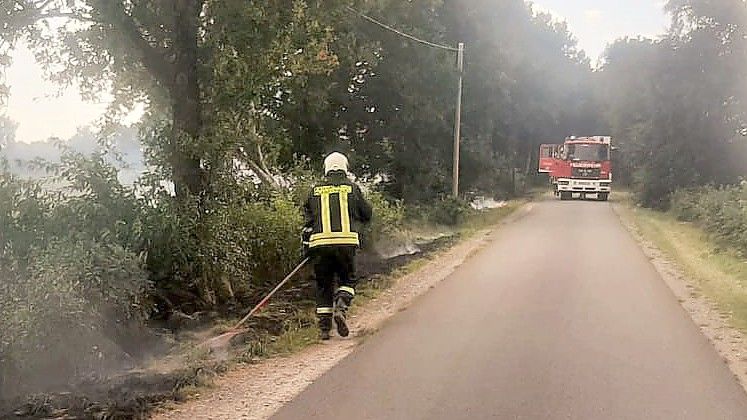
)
(185, 100)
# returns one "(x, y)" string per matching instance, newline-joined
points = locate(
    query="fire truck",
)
(580, 166)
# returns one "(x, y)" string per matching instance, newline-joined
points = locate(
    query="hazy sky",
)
(38, 106)
(596, 23)
(42, 111)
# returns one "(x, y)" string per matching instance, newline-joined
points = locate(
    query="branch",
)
(43, 5)
(153, 57)
(66, 15)
(260, 154)
(260, 169)
(263, 176)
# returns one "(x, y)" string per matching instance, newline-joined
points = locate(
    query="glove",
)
(305, 250)
(305, 236)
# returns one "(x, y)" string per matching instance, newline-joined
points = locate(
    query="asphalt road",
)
(560, 317)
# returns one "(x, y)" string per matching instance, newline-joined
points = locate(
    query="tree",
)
(173, 55)
(141, 50)
(257, 77)
(391, 98)
(678, 105)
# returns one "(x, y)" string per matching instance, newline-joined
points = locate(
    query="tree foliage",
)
(678, 105)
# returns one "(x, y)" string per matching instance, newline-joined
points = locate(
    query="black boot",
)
(325, 326)
(342, 303)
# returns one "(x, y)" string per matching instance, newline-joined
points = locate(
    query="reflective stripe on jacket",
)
(334, 210)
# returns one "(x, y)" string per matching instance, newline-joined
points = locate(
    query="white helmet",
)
(335, 162)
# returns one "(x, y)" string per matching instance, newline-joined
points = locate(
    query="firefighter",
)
(334, 212)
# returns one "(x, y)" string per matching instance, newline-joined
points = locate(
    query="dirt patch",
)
(257, 391)
(729, 342)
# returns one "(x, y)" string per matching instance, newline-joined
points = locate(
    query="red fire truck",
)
(581, 165)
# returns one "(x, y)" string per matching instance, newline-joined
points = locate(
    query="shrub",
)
(388, 217)
(268, 238)
(66, 313)
(720, 211)
(449, 211)
(24, 215)
(73, 279)
(201, 260)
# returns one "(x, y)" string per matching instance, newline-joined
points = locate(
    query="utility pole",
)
(458, 120)
(460, 65)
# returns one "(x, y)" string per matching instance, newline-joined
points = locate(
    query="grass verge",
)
(489, 218)
(716, 272)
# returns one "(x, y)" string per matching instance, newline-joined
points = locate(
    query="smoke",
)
(59, 353)
(70, 312)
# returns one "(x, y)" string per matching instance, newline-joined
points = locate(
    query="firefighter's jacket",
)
(334, 213)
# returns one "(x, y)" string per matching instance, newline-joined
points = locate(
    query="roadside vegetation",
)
(174, 368)
(242, 102)
(720, 211)
(705, 233)
(713, 267)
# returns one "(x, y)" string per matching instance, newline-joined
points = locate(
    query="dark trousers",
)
(328, 263)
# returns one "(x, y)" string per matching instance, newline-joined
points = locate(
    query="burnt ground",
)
(133, 394)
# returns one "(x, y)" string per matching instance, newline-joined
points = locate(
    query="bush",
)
(200, 261)
(73, 279)
(388, 218)
(239, 245)
(66, 315)
(449, 211)
(24, 216)
(83, 264)
(720, 211)
(268, 238)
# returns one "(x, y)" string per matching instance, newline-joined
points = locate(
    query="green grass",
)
(716, 272)
(297, 336)
(489, 218)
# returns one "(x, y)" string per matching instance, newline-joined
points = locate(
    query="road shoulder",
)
(688, 269)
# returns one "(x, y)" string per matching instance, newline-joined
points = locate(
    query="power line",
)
(460, 64)
(400, 33)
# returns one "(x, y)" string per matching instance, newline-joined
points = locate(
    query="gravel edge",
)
(729, 342)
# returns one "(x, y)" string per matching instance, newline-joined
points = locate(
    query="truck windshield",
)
(588, 152)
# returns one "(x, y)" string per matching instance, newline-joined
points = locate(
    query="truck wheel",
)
(604, 196)
(565, 195)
